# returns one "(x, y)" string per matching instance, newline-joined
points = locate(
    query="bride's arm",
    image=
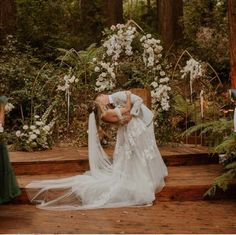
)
(115, 115)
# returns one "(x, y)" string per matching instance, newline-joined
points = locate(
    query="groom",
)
(119, 99)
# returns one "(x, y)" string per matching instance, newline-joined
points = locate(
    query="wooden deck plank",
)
(70, 159)
(73, 153)
(183, 183)
(164, 217)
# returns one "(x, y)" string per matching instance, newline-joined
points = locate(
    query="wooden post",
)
(145, 94)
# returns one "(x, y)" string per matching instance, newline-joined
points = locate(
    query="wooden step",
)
(71, 159)
(183, 183)
(192, 217)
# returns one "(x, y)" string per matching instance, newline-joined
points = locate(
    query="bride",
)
(133, 176)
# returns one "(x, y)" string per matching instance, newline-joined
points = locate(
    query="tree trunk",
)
(7, 17)
(113, 12)
(169, 26)
(232, 39)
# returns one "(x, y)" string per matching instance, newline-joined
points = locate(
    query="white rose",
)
(113, 27)
(33, 137)
(32, 127)
(46, 128)
(154, 84)
(103, 74)
(39, 123)
(37, 131)
(162, 73)
(18, 133)
(25, 127)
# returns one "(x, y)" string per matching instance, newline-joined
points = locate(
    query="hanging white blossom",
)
(194, 69)
(118, 49)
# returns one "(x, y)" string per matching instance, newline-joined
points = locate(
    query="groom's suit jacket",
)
(138, 108)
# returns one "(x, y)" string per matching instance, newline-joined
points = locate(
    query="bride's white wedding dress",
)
(135, 175)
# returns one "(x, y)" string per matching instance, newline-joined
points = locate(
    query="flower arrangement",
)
(36, 135)
(138, 55)
(193, 68)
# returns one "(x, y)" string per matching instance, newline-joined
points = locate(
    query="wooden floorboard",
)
(70, 159)
(164, 217)
(73, 153)
(185, 175)
(183, 183)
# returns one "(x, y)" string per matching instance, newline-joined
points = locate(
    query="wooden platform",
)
(186, 183)
(179, 207)
(164, 217)
(71, 159)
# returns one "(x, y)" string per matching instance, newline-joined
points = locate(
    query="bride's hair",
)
(95, 107)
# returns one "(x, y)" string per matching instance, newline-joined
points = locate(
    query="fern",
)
(223, 180)
(224, 141)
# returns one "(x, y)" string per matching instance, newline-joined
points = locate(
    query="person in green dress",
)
(9, 188)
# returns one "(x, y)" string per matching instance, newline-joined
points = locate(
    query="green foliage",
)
(224, 180)
(51, 24)
(224, 141)
(143, 12)
(206, 32)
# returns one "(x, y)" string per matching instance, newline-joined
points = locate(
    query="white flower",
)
(154, 84)
(97, 69)
(149, 35)
(32, 127)
(113, 75)
(46, 128)
(103, 74)
(72, 79)
(18, 133)
(94, 59)
(113, 27)
(36, 117)
(25, 127)
(33, 137)
(162, 73)
(37, 131)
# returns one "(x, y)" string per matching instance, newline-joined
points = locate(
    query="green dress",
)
(8, 184)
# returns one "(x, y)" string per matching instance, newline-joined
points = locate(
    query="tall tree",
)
(7, 17)
(169, 14)
(113, 12)
(232, 39)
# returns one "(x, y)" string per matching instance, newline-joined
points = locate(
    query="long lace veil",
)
(98, 159)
